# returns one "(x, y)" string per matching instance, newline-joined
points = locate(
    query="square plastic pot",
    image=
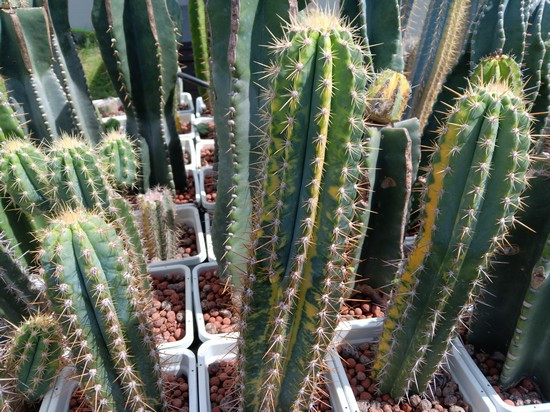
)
(363, 331)
(184, 274)
(189, 216)
(185, 116)
(197, 198)
(225, 349)
(203, 172)
(188, 145)
(186, 98)
(488, 388)
(204, 336)
(200, 106)
(202, 143)
(182, 361)
(208, 232)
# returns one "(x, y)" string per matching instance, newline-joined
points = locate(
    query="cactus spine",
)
(306, 216)
(119, 160)
(96, 294)
(474, 185)
(158, 224)
(32, 359)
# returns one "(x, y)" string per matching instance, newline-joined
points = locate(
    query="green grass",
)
(98, 79)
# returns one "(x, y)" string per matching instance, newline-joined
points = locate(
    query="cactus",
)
(305, 214)
(38, 76)
(388, 97)
(97, 296)
(119, 160)
(137, 40)
(238, 60)
(9, 122)
(158, 224)
(528, 352)
(477, 175)
(199, 38)
(32, 359)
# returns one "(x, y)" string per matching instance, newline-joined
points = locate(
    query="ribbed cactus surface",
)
(474, 185)
(305, 215)
(9, 122)
(32, 359)
(158, 224)
(119, 160)
(100, 302)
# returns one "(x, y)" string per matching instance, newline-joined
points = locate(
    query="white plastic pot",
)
(188, 145)
(225, 349)
(199, 317)
(185, 116)
(200, 106)
(199, 120)
(203, 172)
(493, 395)
(186, 98)
(202, 143)
(363, 331)
(208, 233)
(182, 361)
(189, 216)
(184, 273)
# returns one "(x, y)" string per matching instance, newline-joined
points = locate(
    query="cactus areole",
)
(305, 218)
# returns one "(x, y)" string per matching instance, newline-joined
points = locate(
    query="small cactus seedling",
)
(158, 224)
(306, 221)
(31, 360)
(477, 175)
(9, 122)
(119, 160)
(99, 299)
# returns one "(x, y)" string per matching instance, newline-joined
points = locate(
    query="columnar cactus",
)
(31, 360)
(527, 354)
(138, 44)
(119, 160)
(305, 214)
(199, 38)
(158, 224)
(477, 175)
(98, 297)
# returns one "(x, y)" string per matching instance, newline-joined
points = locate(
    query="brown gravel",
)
(360, 307)
(169, 303)
(187, 196)
(216, 304)
(357, 360)
(222, 392)
(185, 127)
(207, 155)
(187, 242)
(176, 388)
(524, 393)
(210, 187)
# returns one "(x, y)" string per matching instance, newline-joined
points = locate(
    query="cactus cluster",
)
(476, 177)
(305, 213)
(158, 224)
(30, 360)
(99, 299)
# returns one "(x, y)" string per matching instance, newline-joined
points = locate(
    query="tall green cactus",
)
(98, 297)
(138, 44)
(158, 224)
(199, 39)
(42, 75)
(476, 177)
(528, 352)
(305, 213)
(32, 359)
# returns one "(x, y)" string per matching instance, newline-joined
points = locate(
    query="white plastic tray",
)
(225, 349)
(189, 216)
(184, 273)
(59, 397)
(201, 144)
(208, 234)
(495, 398)
(201, 325)
(185, 116)
(199, 120)
(188, 145)
(209, 206)
(200, 106)
(362, 331)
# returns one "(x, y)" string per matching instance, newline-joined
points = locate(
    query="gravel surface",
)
(187, 196)
(169, 304)
(216, 304)
(207, 156)
(210, 187)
